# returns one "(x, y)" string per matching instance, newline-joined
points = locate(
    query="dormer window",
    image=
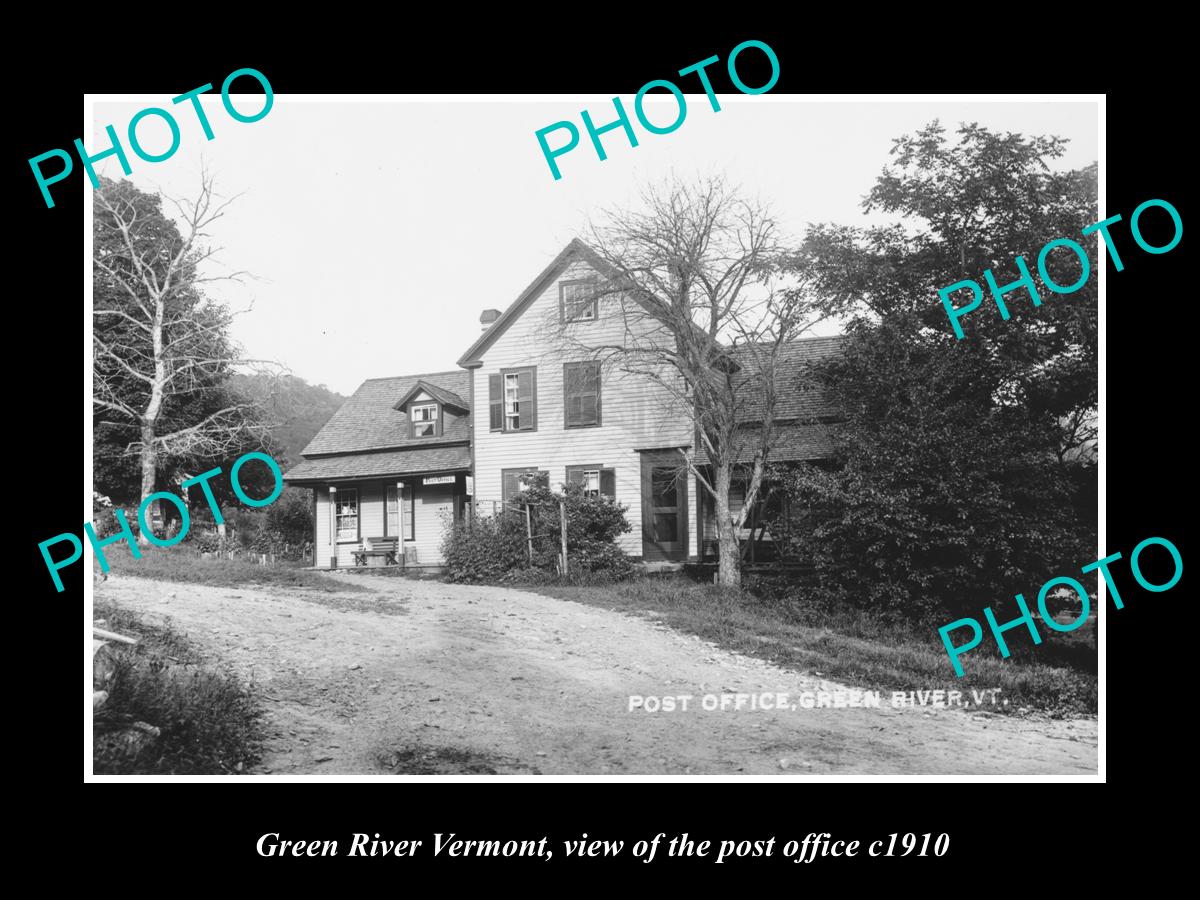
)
(424, 419)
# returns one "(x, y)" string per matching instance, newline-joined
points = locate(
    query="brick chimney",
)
(487, 317)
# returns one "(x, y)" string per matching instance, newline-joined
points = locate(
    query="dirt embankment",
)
(425, 677)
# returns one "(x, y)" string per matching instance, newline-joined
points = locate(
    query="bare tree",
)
(156, 336)
(706, 314)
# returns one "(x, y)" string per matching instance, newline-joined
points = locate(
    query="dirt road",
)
(425, 677)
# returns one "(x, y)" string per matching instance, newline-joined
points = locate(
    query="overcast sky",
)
(378, 231)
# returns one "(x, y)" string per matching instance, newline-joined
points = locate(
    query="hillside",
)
(299, 408)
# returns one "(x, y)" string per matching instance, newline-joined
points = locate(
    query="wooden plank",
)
(103, 635)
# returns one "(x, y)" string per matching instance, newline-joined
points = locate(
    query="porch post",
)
(400, 519)
(333, 527)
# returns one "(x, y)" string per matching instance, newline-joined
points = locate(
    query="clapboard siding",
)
(321, 528)
(434, 513)
(636, 414)
(371, 508)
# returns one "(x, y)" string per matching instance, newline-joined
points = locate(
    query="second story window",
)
(581, 394)
(512, 400)
(577, 301)
(424, 419)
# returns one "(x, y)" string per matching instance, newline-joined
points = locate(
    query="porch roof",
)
(427, 460)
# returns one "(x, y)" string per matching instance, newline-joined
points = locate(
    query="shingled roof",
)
(370, 421)
(425, 460)
(805, 417)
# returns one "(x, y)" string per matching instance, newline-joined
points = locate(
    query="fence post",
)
(529, 532)
(562, 516)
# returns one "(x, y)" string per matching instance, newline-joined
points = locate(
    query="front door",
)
(664, 505)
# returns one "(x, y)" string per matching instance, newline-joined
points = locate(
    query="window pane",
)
(347, 514)
(663, 487)
(666, 528)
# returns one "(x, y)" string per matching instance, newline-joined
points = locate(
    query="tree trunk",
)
(149, 466)
(729, 558)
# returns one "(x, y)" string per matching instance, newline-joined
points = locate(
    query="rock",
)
(322, 759)
(784, 763)
(130, 740)
(540, 753)
(353, 666)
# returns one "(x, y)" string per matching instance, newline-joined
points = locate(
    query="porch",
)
(389, 522)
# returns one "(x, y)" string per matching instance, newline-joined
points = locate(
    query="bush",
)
(498, 548)
(283, 529)
(290, 517)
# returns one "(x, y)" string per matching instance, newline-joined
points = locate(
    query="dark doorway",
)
(664, 505)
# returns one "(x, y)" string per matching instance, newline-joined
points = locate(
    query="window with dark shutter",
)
(517, 389)
(513, 481)
(595, 480)
(581, 394)
(496, 402)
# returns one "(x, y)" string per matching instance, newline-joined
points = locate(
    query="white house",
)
(525, 399)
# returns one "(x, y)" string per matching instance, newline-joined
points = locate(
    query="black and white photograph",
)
(691, 435)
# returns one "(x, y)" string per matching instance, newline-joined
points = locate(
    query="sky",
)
(377, 231)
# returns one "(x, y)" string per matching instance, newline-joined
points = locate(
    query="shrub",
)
(210, 723)
(499, 548)
(290, 517)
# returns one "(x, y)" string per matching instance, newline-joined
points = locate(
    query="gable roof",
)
(576, 249)
(369, 420)
(805, 416)
(440, 394)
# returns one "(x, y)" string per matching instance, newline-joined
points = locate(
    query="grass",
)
(1057, 677)
(210, 723)
(184, 565)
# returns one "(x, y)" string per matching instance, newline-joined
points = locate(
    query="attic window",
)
(577, 301)
(424, 419)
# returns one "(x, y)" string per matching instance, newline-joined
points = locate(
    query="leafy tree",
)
(960, 472)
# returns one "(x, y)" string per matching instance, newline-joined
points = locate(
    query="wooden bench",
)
(384, 548)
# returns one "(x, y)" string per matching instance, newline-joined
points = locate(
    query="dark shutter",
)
(496, 402)
(527, 400)
(581, 394)
(511, 486)
(570, 398)
(608, 483)
(592, 400)
(574, 474)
